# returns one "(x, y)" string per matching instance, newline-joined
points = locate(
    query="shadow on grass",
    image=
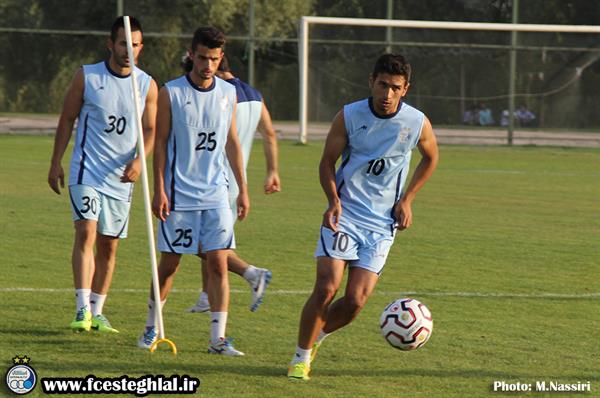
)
(32, 332)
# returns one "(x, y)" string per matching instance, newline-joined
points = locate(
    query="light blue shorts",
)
(194, 231)
(111, 214)
(360, 247)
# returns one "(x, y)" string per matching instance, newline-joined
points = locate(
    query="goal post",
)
(307, 21)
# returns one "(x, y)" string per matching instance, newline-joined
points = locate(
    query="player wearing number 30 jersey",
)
(106, 135)
(103, 167)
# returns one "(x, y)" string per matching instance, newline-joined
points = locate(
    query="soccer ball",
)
(406, 324)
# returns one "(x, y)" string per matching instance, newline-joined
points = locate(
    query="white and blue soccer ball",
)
(406, 324)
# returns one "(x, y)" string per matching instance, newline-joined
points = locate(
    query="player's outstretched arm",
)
(265, 128)
(133, 169)
(337, 139)
(160, 202)
(429, 159)
(234, 155)
(71, 108)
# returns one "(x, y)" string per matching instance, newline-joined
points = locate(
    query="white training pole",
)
(142, 155)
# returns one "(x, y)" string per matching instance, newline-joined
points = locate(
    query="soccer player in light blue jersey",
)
(368, 202)
(251, 115)
(104, 166)
(195, 137)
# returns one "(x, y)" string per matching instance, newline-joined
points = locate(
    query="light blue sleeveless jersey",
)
(196, 167)
(248, 112)
(375, 163)
(106, 136)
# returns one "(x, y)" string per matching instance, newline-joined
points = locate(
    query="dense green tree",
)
(447, 64)
(37, 67)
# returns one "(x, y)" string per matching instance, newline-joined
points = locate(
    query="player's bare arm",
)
(133, 169)
(429, 159)
(160, 202)
(337, 139)
(234, 155)
(265, 128)
(71, 108)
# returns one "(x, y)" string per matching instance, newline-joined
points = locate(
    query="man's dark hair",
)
(120, 23)
(186, 63)
(209, 37)
(224, 65)
(392, 64)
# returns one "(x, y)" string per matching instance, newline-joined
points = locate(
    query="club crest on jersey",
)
(404, 133)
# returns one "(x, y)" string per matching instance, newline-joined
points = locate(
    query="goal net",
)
(465, 75)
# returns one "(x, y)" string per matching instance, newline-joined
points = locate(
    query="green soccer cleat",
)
(299, 371)
(82, 321)
(101, 324)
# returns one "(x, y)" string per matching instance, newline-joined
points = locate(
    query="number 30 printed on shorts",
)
(89, 204)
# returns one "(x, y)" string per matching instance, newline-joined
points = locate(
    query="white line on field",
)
(541, 295)
(528, 172)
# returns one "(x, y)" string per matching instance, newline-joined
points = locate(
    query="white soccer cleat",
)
(202, 305)
(147, 338)
(259, 285)
(224, 347)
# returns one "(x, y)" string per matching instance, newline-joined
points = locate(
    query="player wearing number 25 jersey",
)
(104, 165)
(195, 133)
(196, 176)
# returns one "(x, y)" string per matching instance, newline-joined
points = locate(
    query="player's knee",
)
(354, 302)
(166, 270)
(168, 265)
(85, 236)
(106, 248)
(324, 293)
(217, 269)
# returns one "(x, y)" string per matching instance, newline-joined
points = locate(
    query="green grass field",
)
(505, 251)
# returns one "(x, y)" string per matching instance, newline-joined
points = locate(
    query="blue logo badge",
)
(21, 378)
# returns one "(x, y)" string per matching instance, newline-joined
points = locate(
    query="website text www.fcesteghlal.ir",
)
(140, 386)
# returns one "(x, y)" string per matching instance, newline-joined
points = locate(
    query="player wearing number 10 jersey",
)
(103, 166)
(375, 138)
